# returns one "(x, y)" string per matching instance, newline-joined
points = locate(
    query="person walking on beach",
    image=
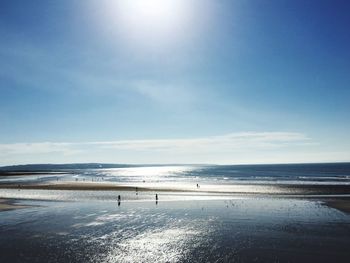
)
(119, 200)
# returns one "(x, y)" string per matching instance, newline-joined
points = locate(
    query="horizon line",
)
(174, 164)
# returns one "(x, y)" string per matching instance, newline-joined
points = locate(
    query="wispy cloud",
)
(232, 141)
(156, 150)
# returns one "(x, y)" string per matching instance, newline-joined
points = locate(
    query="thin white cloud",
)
(233, 148)
(228, 142)
(233, 142)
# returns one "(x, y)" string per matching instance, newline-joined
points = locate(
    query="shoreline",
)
(337, 197)
(269, 189)
(341, 204)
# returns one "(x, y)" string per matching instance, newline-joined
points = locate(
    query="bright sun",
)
(155, 19)
(151, 11)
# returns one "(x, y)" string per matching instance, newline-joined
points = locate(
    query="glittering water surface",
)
(213, 225)
(242, 229)
(321, 174)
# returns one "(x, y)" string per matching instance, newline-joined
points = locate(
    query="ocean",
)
(323, 173)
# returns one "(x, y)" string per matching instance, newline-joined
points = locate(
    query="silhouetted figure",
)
(197, 185)
(156, 197)
(119, 199)
(137, 191)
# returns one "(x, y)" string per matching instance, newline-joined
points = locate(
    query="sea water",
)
(327, 174)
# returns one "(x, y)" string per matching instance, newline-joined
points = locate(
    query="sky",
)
(174, 81)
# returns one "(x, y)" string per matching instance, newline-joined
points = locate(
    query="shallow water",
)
(91, 226)
(320, 174)
(243, 229)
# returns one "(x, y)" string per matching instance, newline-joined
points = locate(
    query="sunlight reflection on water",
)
(150, 174)
(179, 231)
(189, 175)
(165, 245)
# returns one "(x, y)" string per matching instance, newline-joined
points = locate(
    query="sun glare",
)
(155, 20)
(151, 11)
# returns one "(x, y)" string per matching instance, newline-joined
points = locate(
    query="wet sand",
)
(342, 204)
(249, 229)
(86, 186)
(272, 189)
(10, 204)
(334, 196)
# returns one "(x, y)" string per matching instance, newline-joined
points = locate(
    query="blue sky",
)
(174, 81)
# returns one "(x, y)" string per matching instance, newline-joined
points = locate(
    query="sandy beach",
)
(10, 204)
(275, 189)
(335, 196)
(332, 196)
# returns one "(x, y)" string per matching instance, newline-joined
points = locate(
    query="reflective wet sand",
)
(228, 217)
(242, 229)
